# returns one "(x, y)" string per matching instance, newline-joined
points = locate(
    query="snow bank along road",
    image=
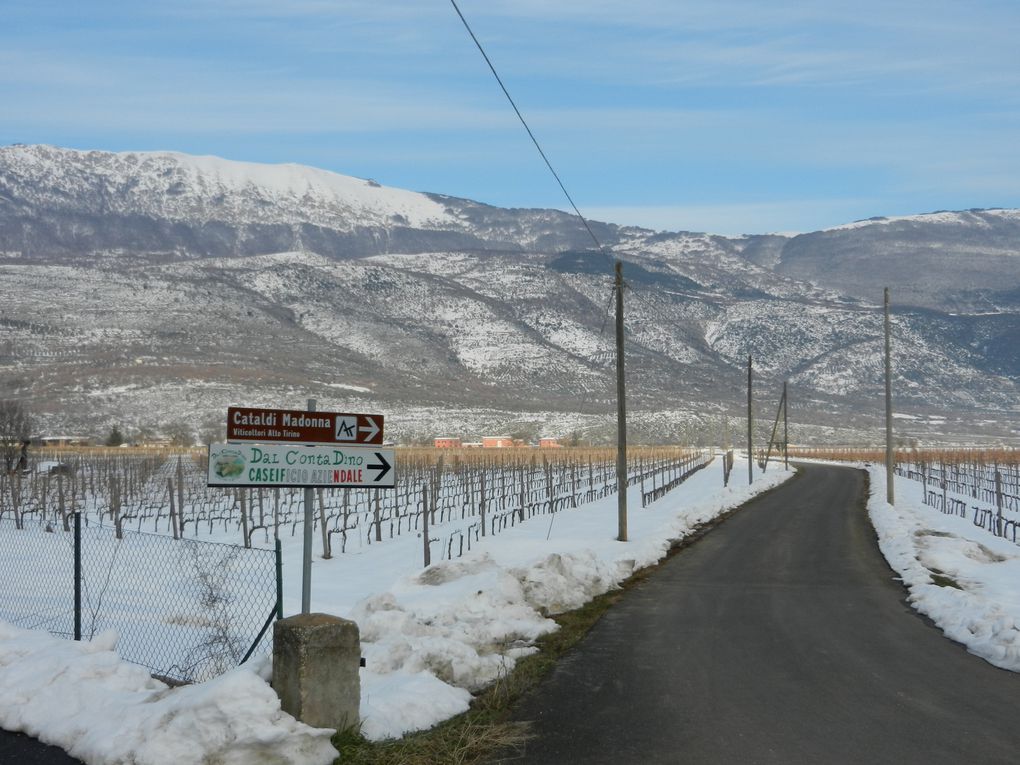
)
(781, 637)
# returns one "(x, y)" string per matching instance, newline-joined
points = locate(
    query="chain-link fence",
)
(185, 609)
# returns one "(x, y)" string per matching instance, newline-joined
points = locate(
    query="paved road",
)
(781, 637)
(18, 749)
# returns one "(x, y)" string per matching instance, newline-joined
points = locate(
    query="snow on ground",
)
(431, 636)
(963, 578)
(83, 698)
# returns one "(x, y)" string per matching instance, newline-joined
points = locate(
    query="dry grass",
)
(954, 456)
(486, 729)
(466, 740)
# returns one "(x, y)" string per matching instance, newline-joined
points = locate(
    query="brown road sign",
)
(300, 427)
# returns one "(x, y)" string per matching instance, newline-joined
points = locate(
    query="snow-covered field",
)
(963, 578)
(430, 637)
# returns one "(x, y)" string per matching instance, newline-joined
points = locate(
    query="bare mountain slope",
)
(957, 261)
(144, 289)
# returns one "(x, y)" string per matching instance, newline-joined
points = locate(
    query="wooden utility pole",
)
(889, 493)
(621, 412)
(780, 410)
(750, 433)
(786, 431)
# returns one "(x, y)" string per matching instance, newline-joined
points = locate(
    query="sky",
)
(729, 116)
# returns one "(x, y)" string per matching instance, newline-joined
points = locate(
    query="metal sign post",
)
(306, 556)
(287, 448)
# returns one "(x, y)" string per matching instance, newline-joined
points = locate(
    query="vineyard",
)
(982, 484)
(461, 495)
(187, 573)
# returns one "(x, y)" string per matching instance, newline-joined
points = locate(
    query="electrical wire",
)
(601, 249)
(534, 140)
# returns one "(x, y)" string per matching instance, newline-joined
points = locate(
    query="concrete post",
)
(316, 662)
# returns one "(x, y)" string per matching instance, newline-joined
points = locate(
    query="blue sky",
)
(732, 116)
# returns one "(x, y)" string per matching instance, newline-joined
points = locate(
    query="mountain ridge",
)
(164, 276)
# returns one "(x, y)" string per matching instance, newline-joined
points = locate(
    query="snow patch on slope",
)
(969, 218)
(180, 186)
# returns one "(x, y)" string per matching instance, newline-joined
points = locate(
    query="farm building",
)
(62, 441)
(447, 443)
(497, 442)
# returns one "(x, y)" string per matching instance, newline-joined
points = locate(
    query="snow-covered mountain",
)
(150, 288)
(61, 202)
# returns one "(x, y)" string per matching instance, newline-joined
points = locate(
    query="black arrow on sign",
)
(384, 467)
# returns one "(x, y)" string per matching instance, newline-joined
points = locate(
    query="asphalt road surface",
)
(18, 749)
(781, 637)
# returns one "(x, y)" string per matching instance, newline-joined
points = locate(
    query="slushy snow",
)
(921, 543)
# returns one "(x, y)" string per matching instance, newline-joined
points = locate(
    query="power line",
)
(524, 122)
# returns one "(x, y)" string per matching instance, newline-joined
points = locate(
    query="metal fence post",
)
(279, 580)
(425, 522)
(77, 576)
(998, 503)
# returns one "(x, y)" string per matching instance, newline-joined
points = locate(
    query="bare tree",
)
(15, 432)
(213, 430)
(180, 434)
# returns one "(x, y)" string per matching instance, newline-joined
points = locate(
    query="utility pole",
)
(889, 494)
(780, 410)
(750, 436)
(621, 412)
(306, 559)
(786, 430)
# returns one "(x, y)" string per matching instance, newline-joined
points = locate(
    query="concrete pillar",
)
(316, 661)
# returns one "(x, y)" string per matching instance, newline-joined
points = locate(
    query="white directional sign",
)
(288, 465)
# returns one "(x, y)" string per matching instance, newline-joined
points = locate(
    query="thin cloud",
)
(792, 216)
(909, 106)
